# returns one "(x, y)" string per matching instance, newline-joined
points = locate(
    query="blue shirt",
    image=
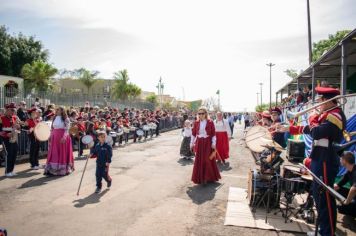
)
(103, 153)
(231, 119)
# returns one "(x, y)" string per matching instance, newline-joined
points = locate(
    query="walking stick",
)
(81, 179)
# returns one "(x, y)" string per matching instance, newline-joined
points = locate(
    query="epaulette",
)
(336, 119)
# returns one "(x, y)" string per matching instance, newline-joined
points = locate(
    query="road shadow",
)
(80, 158)
(224, 167)
(185, 162)
(91, 199)
(203, 192)
(21, 175)
(38, 182)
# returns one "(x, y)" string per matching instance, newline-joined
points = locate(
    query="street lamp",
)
(261, 92)
(270, 83)
(257, 97)
(309, 34)
(160, 87)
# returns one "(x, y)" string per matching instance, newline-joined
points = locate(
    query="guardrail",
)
(166, 124)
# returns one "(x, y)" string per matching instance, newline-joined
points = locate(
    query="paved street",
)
(151, 195)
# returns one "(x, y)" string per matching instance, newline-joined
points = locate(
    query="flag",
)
(218, 92)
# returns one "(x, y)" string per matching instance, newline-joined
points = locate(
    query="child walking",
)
(185, 150)
(103, 153)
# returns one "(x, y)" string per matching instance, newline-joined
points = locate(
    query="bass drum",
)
(87, 139)
(258, 184)
(139, 132)
(42, 131)
(257, 137)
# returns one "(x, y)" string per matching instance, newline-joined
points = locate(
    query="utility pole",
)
(270, 83)
(261, 92)
(160, 87)
(309, 35)
(257, 97)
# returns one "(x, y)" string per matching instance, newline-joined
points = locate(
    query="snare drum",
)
(113, 134)
(87, 139)
(42, 131)
(146, 128)
(120, 132)
(132, 128)
(126, 130)
(291, 171)
(258, 184)
(153, 126)
(139, 132)
(293, 185)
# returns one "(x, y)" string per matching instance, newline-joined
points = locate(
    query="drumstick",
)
(81, 179)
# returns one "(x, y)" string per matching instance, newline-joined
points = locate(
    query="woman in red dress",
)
(204, 142)
(223, 133)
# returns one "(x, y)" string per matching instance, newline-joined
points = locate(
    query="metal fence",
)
(166, 124)
(75, 100)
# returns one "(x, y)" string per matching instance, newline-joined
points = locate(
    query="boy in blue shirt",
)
(103, 153)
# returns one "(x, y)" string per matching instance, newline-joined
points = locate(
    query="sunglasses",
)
(201, 114)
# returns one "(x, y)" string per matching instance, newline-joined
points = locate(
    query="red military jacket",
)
(31, 123)
(6, 125)
(81, 126)
(332, 116)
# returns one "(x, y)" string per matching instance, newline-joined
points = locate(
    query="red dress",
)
(222, 139)
(204, 170)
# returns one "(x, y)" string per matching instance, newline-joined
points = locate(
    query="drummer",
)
(34, 143)
(81, 133)
(266, 119)
(325, 128)
(277, 136)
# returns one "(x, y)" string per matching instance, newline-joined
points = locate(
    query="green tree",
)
(325, 44)
(291, 73)
(264, 107)
(38, 75)
(18, 50)
(133, 91)
(152, 98)
(87, 78)
(122, 88)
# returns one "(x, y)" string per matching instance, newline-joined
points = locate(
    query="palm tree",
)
(133, 91)
(152, 98)
(122, 88)
(38, 75)
(87, 78)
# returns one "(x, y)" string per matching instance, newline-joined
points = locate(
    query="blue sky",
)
(198, 45)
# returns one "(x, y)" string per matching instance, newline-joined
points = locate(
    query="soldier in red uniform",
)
(8, 123)
(34, 143)
(325, 128)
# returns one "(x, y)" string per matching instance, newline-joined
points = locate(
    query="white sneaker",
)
(35, 168)
(10, 174)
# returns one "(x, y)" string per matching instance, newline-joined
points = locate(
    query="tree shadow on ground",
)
(185, 162)
(203, 192)
(38, 182)
(91, 199)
